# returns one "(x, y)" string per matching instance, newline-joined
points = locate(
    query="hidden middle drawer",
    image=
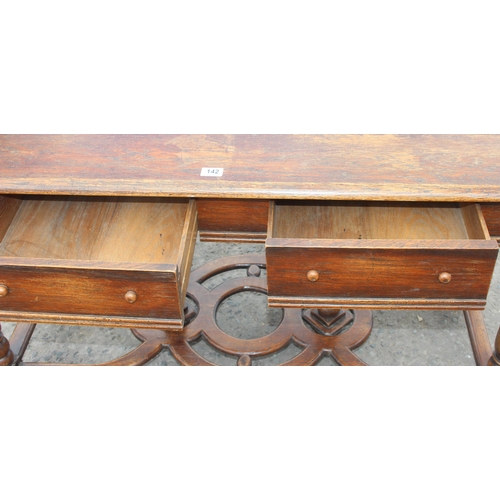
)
(104, 261)
(378, 255)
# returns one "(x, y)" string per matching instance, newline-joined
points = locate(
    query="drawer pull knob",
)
(130, 297)
(313, 275)
(444, 278)
(3, 290)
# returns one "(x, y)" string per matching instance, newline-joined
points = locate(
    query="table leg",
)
(6, 356)
(481, 346)
(20, 339)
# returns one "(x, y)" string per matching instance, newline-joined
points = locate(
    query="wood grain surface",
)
(491, 212)
(236, 216)
(360, 254)
(374, 272)
(229, 220)
(372, 220)
(99, 261)
(68, 290)
(349, 167)
(111, 229)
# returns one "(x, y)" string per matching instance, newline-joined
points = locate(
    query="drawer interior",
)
(104, 229)
(376, 220)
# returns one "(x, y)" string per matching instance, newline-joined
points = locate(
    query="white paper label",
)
(212, 172)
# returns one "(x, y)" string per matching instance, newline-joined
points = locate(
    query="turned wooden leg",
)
(480, 342)
(6, 356)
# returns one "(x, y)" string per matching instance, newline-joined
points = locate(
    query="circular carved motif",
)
(332, 334)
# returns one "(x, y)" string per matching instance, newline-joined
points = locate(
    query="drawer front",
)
(233, 220)
(88, 296)
(380, 277)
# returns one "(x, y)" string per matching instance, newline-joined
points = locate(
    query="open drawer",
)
(491, 212)
(106, 261)
(378, 255)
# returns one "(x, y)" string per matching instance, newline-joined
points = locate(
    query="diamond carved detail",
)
(328, 322)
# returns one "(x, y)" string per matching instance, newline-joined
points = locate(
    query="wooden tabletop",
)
(348, 167)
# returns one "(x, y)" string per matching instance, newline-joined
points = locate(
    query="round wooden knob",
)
(130, 296)
(313, 275)
(3, 290)
(444, 278)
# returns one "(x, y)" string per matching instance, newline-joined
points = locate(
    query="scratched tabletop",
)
(336, 167)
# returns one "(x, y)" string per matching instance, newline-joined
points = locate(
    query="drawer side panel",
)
(491, 212)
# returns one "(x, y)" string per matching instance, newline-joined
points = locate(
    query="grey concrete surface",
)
(398, 337)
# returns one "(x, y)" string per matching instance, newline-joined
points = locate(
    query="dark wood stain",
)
(491, 212)
(387, 221)
(399, 254)
(64, 258)
(233, 220)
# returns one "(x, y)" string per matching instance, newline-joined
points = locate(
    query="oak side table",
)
(100, 230)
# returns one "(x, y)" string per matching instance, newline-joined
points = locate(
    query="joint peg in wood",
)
(130, 297)
(3, 290)
(444, 278)
(313, 275)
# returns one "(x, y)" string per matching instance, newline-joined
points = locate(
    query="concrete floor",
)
(398, 337)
